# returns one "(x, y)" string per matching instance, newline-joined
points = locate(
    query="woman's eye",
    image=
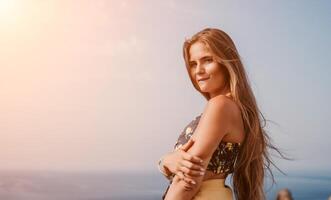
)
(209, 60)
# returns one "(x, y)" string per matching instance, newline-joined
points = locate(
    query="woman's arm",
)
(179, 161)
(212, 127)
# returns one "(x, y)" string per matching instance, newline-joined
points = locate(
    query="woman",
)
(228, 136)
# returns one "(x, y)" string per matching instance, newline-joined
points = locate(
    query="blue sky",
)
(99, 85)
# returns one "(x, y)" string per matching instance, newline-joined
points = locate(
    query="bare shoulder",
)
(224, 104)
(231, 111)
(219, 109)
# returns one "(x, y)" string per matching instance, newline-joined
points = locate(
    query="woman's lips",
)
(202, 80)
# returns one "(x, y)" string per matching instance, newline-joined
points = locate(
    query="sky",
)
(102, 85)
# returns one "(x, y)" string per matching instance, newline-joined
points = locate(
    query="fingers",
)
(191, 165)
(192, 158)
(187, 145)
(187, 186)
(191, 172)
(191, 168)
(183, 177)
(188, 183)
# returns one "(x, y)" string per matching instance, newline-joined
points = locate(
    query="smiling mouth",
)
(201, 80)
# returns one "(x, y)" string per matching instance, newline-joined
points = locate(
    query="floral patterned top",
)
(223, 158)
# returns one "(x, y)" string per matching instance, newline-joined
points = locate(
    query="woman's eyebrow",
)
(202, 58)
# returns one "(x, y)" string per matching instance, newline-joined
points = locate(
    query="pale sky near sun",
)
(101, 85)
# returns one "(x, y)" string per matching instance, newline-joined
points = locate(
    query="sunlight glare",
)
(9, 11)
(6, 6)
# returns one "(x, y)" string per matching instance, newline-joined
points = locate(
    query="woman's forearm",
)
(177, 190)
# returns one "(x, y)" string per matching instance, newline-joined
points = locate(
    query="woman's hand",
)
(182, 163)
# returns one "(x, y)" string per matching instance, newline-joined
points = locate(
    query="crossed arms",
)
(212, 127)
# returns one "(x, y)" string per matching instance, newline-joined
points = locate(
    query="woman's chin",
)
(203, 89)
(203, 86)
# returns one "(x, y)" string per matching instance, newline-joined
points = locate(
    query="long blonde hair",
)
(253, 159)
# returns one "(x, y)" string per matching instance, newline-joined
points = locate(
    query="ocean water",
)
(51, 185)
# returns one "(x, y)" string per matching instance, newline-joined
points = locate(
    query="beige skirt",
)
(213, 189)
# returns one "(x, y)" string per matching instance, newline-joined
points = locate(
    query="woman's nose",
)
(199, 68)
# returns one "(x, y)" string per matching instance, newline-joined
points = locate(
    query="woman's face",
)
(205, 71)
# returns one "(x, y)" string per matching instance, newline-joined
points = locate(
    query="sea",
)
(128, 185)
